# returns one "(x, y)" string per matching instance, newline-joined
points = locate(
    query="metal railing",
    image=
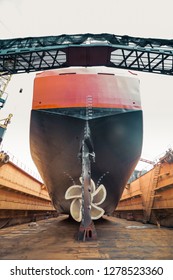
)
(22, 165)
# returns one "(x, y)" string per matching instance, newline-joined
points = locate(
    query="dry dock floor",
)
(55, 239)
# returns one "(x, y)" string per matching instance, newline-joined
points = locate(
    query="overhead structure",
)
(3, 126)
(24, 55)
(147, 161)
(4, 80)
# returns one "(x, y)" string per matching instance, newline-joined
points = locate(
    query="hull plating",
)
(55, 144)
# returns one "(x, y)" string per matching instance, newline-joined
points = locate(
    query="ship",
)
(86, 135)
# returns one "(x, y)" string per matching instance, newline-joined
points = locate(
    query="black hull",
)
(55, 144)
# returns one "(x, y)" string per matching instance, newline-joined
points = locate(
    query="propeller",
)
(98, 195)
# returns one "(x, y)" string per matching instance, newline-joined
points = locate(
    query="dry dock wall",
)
(150, 197)
(21, 195)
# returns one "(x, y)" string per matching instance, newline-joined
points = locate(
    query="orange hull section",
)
(52, 90)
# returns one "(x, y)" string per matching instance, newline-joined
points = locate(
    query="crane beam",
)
(24, 55)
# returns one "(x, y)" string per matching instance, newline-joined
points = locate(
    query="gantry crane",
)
(4, 80)
(147, 161)
(24, 55)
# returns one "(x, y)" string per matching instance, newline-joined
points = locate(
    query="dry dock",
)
(22, 197)
(149, 198)
(55, 238)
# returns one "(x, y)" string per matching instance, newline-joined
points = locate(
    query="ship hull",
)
(55, 145)
(79, 113)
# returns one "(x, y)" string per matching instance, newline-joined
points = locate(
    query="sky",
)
(29, 18)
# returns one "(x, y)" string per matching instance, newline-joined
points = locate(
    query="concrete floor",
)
(55, 239)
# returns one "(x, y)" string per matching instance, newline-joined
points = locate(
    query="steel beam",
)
(24, 55)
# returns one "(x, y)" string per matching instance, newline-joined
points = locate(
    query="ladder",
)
(151, 195)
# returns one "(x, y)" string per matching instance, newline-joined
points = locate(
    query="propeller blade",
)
(96, 212)
(75, 210)
(73, 192)
(99, 195)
